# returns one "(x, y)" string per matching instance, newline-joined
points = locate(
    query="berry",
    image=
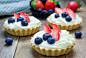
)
(68, 18)
(38, 40)
(46, 36)
(58, 10)
(50, 4)
(24, 22)
(56, 15)
(44, 11)
(8, 41)
(47, 29)
(64, 14)
(16, 15)
(50, 11)
(78, 34)
(11, 20)
(20, 19)
(74, 5)
(39, 10)
(51, 40)
(25, 16)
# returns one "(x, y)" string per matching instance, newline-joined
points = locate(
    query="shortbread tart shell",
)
(23, 32)
(51, 52)
(65, 27)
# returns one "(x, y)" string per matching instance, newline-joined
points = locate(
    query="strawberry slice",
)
(56, 27)
(55, 34)
(58, 10)
(16, 15)
(64, 10)
(47, 29)
(25, 16)
(71, 13)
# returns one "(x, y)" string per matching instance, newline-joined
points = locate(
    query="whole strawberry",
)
(74, 5)
(51, 4)
(37, 4)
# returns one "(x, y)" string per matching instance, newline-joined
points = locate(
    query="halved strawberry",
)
(25, 16)
(56, 27)
(47, 29)
(58, 10)
(55, 34)
(16, 15)
(71, 13)
(64, 10)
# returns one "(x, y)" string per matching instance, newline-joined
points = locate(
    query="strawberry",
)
(74, 5)
(50, 4)
(56, 27)
(37, 4)
(47, 29)
(16, 15)
(58, 10)
(55, 34)
(25, 16)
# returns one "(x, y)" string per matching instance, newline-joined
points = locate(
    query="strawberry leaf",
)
(33, 3)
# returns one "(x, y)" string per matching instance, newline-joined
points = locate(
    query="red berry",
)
(16, 15)
(47, 29)
(58, 10)
(25, 16)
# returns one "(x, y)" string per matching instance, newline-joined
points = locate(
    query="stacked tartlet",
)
(65, 19)
(22, 25)
(53, 42)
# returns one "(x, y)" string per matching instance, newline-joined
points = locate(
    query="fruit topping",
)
(20, 19)
(51, 4)
(74, 5)
(55, 33)
(8, 41)
(78, 34)
(24, 22)
(44, 12)
(39, 10)
(38, 40)
(47, 29)
(50, 11)
(11, 20)
(64, 14)
(25, 16)
(16, 15)
(51, 40)
(57, 15)
(37, 4)
(46, 36)
(58, 10)
(68, 18)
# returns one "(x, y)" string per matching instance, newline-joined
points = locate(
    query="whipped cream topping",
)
(34, 22)
(65, 40)
(61, 21)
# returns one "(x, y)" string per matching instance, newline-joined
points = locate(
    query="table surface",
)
(21, 47)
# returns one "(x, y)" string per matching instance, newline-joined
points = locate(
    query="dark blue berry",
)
(20, 19)
(64, 14)
(24, 22)
(57, 15)
(78, 34)
(44, 12)
(68, 18)
(39, 10)
(50, 11)
(51, 40)
(9, 41)
(38, 40)
(11, 20)
(46, 36)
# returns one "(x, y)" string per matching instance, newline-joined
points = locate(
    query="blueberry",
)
(78, 34)
(38, 40)
(57, 15)
(20, 19)
(24, 22)
(46, 36)
(44, 11)
(68, 18)
(11, 20)
(39, 10)
(9, 41)
(51, 40)
(50, 11)
(64, 14)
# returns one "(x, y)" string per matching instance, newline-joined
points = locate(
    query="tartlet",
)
(63, 45)
(18, 28)
(63, 23)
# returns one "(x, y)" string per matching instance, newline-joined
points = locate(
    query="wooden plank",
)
(6, 51)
